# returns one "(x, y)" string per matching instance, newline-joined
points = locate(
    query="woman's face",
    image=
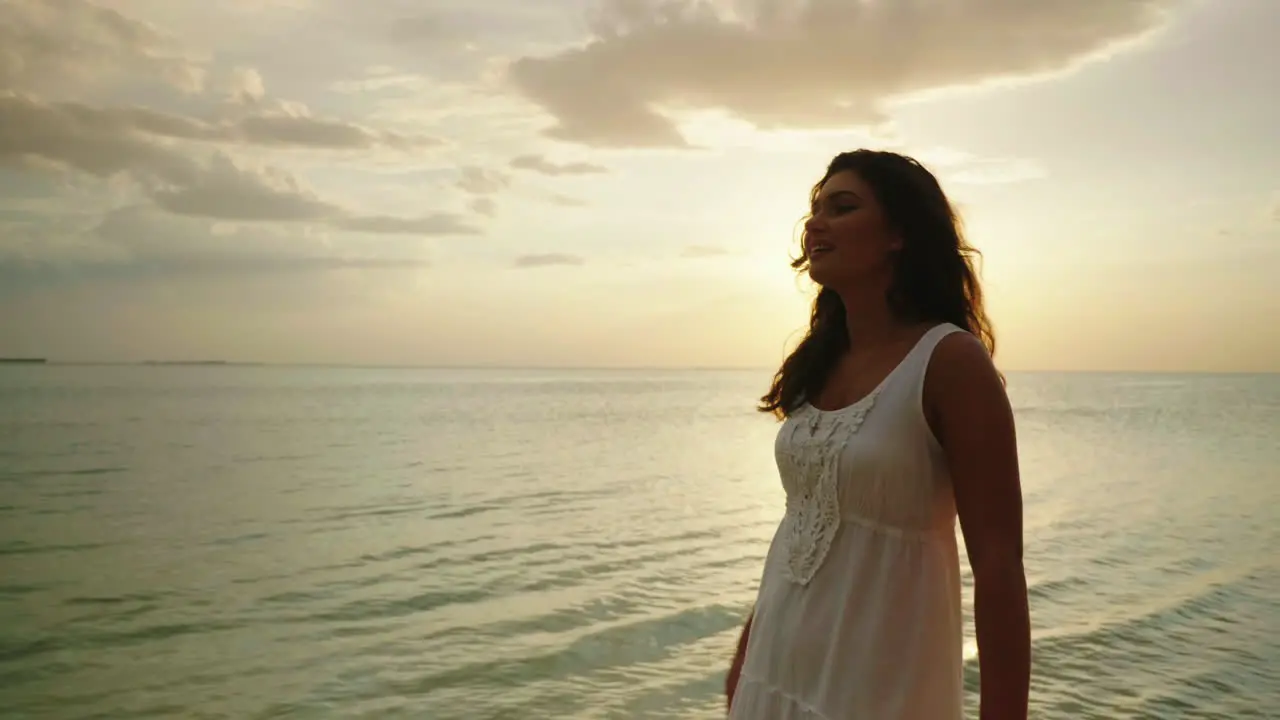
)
(847, 239)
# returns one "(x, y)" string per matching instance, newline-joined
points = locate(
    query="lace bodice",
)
(808, 454)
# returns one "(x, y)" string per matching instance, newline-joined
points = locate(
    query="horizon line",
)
(554, 368)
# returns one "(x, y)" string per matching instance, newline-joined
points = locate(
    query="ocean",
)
(292, 542)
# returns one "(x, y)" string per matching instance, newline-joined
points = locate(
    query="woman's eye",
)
(833, 210)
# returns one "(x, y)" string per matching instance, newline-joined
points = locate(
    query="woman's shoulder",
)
(961, 376)
(958, 346)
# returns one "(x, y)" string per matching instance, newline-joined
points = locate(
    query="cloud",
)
(803, 64)
(194, 245)
(224, 190)
(26, 114)
(485, 206)
(108, 144)
(79, 137)
(539, 164)
(433, 224)
(244, 85)
(458, 27)
(64, 45)
(138, 241)
(482, 181)
(547, 260)
(76, 47)
(302, 131)
(99, 186)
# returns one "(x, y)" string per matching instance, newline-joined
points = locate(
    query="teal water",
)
(229, 542)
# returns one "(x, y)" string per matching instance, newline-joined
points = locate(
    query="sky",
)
(619, 183)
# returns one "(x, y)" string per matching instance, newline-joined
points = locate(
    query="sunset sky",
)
(573, 183)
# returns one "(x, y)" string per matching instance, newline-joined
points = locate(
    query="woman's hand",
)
(731, 681)
(735, 667)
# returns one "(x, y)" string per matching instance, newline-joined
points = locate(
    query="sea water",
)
(292, 542)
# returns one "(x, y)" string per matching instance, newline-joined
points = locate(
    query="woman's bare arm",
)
(972, 419)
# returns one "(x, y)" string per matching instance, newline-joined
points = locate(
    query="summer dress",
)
(858, 613)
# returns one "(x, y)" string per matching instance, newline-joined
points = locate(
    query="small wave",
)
(396, 607)
(607, 646)
(373, 512)
(464, 512)
(1048, 590)
(74, 472)
(1162, 648)
(23, 547)
(17, 590)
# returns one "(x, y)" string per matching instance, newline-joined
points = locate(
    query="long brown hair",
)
(934, 279)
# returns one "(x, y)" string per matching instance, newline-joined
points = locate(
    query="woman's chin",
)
(820, 274)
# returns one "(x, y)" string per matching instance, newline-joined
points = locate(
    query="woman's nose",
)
(815, 222)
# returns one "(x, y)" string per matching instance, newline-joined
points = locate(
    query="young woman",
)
(895, 423)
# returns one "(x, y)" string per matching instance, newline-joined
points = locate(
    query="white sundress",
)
(858, 612)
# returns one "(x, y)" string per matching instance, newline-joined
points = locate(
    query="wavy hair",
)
(934, 275)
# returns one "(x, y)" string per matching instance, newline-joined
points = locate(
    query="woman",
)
(895, 423)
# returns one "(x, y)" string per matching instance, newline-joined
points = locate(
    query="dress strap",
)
(923, 353)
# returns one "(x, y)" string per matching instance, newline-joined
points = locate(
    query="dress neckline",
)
(870, 396)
